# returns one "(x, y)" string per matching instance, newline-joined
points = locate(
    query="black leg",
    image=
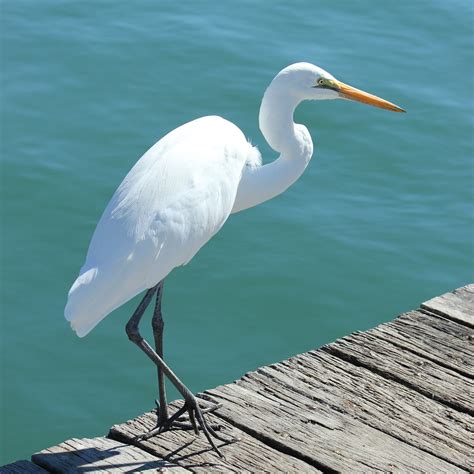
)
(190, 402)
(158, 324)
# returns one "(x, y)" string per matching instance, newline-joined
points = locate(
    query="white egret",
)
(177, 196)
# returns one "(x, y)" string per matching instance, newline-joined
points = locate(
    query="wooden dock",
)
(397, 398)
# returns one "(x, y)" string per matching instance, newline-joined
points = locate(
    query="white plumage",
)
(175, 198)
(182, 190)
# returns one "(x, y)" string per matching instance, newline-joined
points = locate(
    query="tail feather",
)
(96, 293)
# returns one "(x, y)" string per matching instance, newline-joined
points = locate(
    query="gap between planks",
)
(445, 446)
(349, 406)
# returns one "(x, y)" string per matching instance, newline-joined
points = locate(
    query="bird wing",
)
(175, 198)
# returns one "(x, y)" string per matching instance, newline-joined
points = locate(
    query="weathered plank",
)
(100, 455)
(438, 339)
(375, 351)
(317, 433)
(457, 305)
(193, 453)
(395, 398)
(22, 467)
(383, 404)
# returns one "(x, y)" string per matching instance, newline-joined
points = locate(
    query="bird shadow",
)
(186, 460)
(93, 459)
(68, 458)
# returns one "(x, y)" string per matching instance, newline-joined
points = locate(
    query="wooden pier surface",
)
(397, 398)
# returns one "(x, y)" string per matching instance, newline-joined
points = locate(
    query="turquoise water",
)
(381, 220)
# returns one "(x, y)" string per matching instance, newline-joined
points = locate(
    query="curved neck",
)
(276, 119)
(292, 141)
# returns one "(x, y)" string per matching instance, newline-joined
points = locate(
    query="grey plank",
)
(22, 467)
(100, 455)
(396, 398)
(319, 434)
(383, 404)
(378, 354)
(457, 305)
(193, 453)
(442, 323)
(435, 338)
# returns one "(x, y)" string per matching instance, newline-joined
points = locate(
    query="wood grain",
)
(194, 453)
(99, 455)
(397, 398)
(320, 435)
(378, 402)
(457, 305)
(438, 339)
(379, 353)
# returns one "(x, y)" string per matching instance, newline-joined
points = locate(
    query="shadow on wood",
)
(396, 398)
(98, 454)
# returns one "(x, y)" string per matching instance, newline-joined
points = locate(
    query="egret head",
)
(309, 82)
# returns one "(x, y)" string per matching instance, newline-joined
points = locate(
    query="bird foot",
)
(206, 407)
(183, 422)
(190, 417)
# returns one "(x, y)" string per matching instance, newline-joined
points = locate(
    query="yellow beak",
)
(349, 92)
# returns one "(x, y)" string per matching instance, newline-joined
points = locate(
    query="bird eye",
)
(321, 82)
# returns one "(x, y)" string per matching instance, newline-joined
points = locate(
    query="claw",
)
(167, 424)
(190, 411)
(208, 409)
